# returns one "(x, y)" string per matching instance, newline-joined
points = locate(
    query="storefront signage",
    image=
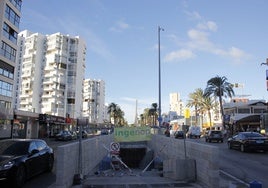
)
(51, 119)
(132, 134)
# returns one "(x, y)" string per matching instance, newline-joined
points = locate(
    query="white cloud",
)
(119, 26)
(209, 25)
(198, 40)
(179, 55)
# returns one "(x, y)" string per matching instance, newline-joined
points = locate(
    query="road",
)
(247, 167)
(244, 166)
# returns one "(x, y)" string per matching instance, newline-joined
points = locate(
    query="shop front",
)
(6, 119)
(50, 125)
(25, 124)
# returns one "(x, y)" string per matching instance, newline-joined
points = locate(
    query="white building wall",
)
(32, 63)
(176, 104)
(79, 78)
(94, 100)
(52, 74)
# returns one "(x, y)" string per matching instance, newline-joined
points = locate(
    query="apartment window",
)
(5, 89)
(10, 33)
(6, 70)
(16, 3)
(8, 52)
(12, 16)
(5, 104)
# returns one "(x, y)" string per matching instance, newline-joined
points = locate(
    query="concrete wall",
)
(67, 159)
(206, 156)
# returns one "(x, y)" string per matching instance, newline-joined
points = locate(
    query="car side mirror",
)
(34, 151)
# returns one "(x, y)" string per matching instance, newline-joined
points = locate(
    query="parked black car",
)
(21, 159)
(214, 135)
(248, 141)
(64, 136)
(179, 134)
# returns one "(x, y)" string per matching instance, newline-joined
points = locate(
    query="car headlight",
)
(7, 165)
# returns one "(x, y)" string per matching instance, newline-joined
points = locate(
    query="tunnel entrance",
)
(132, 157)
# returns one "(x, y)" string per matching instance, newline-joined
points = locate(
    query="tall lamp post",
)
(159, 77)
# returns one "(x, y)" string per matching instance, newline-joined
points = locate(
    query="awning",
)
(245, 118)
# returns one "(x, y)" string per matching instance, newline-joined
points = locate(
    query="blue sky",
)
(201, 39)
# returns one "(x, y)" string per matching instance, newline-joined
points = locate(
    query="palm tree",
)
(208, 104)
(119, 116)
(196, 101)
(146, 119)
(115, 113)
(219, 87)
(154, 105)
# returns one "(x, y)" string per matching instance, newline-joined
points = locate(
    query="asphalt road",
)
(245, 167)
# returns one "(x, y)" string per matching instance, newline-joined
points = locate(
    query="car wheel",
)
(229, 145)
(20, 177)
(50, 163)
(242, 148)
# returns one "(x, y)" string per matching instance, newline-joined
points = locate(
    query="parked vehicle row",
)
(66, 135)
(243, 141)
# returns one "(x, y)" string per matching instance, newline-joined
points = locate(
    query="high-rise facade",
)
(176, 104)
(10, 13)
(94, 101)
(52, 74)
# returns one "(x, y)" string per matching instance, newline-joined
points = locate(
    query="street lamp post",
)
(159, 77)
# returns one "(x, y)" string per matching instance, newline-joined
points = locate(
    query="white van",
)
(194, 132)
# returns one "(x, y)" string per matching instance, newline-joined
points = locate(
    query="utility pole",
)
(159, 77)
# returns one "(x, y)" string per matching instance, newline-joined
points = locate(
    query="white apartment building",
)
(176, 104)
(52, 73)
(10, 13)
(29, 74)
(94, 101)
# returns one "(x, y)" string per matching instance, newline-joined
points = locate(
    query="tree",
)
(116, 114)
(146, 117)
(208, 104)
(196, 101)
(219, 87)
(154, 112)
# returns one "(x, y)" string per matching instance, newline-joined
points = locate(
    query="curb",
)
(234, 179)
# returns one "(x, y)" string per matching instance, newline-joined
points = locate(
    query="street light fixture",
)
(159, 77)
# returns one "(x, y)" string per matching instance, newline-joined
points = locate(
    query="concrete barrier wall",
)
(67, 159)
(206, 156)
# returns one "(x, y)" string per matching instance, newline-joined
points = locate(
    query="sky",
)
(200, 40)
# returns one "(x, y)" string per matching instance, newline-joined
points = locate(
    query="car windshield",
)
(14, 148)
(216, 132)
(252, 134)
